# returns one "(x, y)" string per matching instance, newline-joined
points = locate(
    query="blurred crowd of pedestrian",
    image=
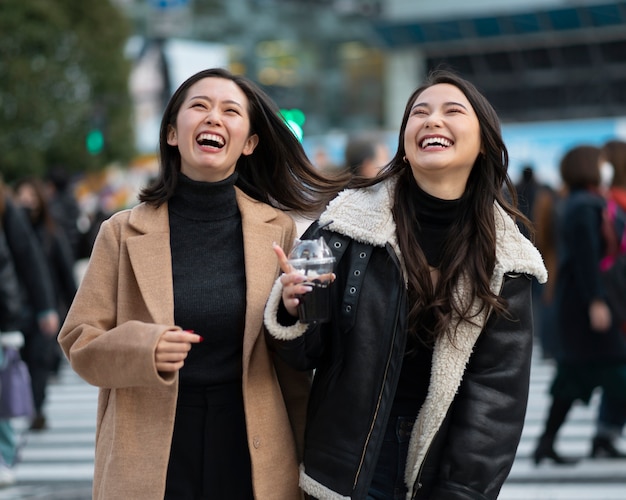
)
(49, 225)
(574, 322)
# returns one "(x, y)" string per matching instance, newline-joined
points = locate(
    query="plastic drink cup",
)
(314, 260)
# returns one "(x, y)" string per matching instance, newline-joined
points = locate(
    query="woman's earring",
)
(404, 159)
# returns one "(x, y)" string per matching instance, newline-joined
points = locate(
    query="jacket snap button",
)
(256, 442)
(337, 244)
(357, 273)
(348, 308)
(362, 255)
(353, 290)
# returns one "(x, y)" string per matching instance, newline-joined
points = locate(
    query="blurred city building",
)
(535, 60)
(349, 65)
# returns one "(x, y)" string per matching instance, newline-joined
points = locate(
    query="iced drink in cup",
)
(314, 260)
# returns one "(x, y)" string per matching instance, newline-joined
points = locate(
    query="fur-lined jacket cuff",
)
(273, 325)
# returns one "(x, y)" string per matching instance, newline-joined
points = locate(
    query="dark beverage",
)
(314, 306)
(314, 260)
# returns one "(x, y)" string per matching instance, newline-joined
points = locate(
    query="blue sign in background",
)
(542, 145)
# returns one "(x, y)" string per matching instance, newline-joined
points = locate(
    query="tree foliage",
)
(62, 73)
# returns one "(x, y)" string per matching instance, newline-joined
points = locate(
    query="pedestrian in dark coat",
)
(592, 351)
(37, 311)
(41, 351)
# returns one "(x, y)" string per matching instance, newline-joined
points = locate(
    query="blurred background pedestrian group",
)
(575, 322)
(45, 233)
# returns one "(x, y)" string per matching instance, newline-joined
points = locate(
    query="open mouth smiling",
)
(435, 142)
(211, 140)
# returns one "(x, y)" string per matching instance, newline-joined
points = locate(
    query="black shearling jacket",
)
(466, 434)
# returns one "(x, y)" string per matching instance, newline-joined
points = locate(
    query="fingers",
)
(181, 337)
(282, 258)
(172, 349)
(328, 277)
(293, 288)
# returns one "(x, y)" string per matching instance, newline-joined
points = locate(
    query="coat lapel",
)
(261, 263)
(151, 259)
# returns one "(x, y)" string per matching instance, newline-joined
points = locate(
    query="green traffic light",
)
(94, 142)
(294, 118)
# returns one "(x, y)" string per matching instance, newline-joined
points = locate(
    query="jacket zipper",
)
(417, 485)
(380, 395)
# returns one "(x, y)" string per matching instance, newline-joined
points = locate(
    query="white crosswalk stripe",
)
(589, 479)
(58, 463)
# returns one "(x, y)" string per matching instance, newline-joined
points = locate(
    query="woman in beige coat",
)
(168, 320)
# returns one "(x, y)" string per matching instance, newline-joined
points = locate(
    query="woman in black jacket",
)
(422, 372)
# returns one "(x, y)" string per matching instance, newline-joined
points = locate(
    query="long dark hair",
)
(278, 172)
(470, 248)
(580, 167)
(43, 215)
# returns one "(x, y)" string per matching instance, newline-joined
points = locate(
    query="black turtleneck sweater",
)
(434, 219)
(209, 278)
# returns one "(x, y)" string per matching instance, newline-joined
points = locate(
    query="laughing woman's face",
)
(212, 130)
(442, 139)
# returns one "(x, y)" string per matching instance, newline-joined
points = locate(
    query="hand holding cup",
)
(306, 279)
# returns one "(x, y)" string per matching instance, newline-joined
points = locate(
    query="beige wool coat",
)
(123, 305)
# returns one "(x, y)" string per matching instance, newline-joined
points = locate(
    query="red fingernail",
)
(201, 338)
(189, 331)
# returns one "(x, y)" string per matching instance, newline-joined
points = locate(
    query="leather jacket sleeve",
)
(474, 450)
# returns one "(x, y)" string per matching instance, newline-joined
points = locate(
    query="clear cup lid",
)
(308, 250)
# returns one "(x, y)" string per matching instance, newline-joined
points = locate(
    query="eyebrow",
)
(449, 103)
(206, 98)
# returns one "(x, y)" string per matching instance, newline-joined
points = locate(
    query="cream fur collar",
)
(365, 215)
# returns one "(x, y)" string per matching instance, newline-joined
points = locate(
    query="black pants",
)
(37, 353)
(388, 482)
(209, 458)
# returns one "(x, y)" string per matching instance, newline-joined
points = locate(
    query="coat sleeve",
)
(102, 351)
(485, 423)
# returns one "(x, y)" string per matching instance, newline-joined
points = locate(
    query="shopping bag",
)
(16, 394)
